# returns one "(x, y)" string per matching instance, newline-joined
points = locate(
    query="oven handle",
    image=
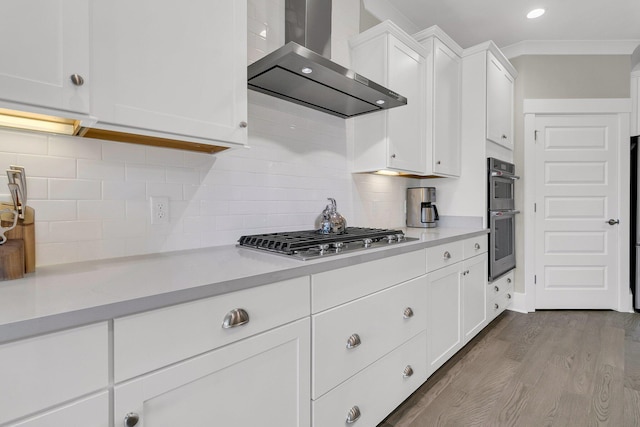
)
(503, 213)
(500, 174)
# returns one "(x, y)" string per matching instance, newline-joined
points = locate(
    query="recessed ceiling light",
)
(307, 70)
(535, 13)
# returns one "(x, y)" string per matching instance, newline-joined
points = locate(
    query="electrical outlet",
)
(159, 210)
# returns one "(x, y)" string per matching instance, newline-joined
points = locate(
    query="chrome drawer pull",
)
(408, 371)
(234, 318)
(509, 280)
(446, 255)
(353, 415)
(353, 341)
(508, 296)
(497, 289)
(496, 307)
(408, 313)
(477, 246)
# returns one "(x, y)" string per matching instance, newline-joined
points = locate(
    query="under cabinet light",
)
(387, 172)
(38, 122)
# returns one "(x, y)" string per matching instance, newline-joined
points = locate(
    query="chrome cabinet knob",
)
(408, 371)
(77, 79)
(509, 280)
(131, 419)
(613, 221)
(497, 289)
(243, 124)
(508, 296)
(393, 156)
(496, 306)
(408, 313)
(446, 255)
(353, 415)
(234, 318)
(438, 162)
(477, 246)
(353, 341)
(504, 136)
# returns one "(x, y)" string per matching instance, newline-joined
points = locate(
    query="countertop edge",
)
(27, 328)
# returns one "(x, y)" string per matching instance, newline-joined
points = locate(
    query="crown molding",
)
(571, 47)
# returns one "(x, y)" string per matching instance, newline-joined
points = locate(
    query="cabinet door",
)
(444, 333)
(406, 130)
(89, 412)
(261, 381)
(499, 103)
(44, 42)
(170, 67)
(446, 110)
(474, 296)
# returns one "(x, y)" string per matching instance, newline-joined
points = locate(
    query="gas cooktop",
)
(311, 244)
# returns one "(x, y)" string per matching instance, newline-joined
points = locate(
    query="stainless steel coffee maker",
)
(421, 210)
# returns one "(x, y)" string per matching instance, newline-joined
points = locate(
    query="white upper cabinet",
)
(499, 102)
(394, 139)
(171, 69)
(443, 94)
(635, 99)
(44, 44)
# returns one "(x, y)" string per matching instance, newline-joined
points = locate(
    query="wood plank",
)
(632, 364)
(631, 407)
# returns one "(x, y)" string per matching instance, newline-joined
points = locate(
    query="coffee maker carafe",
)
(421, 210)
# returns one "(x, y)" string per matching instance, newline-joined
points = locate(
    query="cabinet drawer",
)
(332, 288)
(377, 390)
(41, 372)
(151, 340)
(90, 412)
(500, 295)
(501, 285)
(475, 246)
(381, 323)
(443, 255)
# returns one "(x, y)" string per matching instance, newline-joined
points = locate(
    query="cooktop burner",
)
(311, 244)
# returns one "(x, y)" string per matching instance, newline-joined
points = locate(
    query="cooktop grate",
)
(291, 242)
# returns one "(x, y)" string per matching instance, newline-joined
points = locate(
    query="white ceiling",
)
(470, 22)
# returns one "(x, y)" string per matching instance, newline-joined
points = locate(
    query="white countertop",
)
(67, 295)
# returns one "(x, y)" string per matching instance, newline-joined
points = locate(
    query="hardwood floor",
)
(548, 368)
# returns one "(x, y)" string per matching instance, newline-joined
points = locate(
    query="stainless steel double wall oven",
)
(501, 217)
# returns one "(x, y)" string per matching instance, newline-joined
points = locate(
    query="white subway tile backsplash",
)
(56, 253)
(183, 175)
(74, 231)
(124, 229)
(112, 190)
(77, 148)
(74, 189)
(144, 173)
(23, 142)
(100, 170)
(54, 210)
(37, 188)
(172, 191)
(137, 209)
(122, 152)
(48, 166)
(101, 209)
(164, 156)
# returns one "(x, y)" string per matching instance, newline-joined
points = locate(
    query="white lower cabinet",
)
(444, 314)
(90, 412)
(368, 397)
(499, 295)
(474, 296)
(259, 381)
(41, 375)
(457, 297)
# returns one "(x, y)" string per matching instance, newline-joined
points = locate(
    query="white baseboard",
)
(518, 303)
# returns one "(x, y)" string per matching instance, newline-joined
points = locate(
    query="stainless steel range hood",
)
(298, 74)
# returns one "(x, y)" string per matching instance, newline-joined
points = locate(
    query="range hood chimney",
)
(301, 72)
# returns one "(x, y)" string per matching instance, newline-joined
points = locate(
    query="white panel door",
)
(576, 249)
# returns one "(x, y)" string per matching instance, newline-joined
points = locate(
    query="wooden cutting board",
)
(25, 231)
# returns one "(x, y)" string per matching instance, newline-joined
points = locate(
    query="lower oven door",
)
(502, 239)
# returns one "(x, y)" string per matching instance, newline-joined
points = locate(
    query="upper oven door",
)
(501, 193)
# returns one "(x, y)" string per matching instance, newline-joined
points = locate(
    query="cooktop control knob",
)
(323, 247)
(367, 242)
(391, 238)
(338, 245)
(400, 237)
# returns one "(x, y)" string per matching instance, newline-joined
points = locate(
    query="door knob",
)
(613, 221)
